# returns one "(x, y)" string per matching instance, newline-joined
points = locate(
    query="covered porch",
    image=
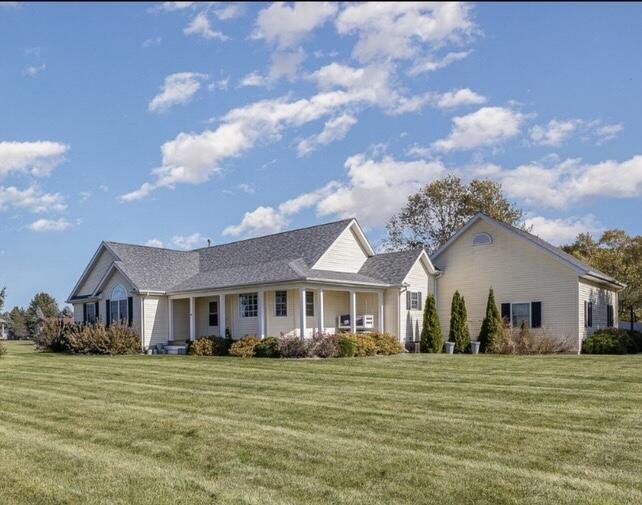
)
(276, 310)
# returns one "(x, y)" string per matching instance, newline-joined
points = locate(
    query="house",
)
(328, 278)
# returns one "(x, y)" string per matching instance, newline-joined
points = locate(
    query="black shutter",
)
(130, 310)
(506, 312)
(585, 314)
(97, 312)
(609, 316)
(419, 305)
(107, 313)
(590, 314)
(84, 313)
(536, 314)
(407, 300)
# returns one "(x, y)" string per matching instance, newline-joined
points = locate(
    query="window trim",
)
(414, 304)
(283, 303)
(309, 304)
(242, 314)
(530, 314)
(92, 306)
(118, 317)
(210, 313)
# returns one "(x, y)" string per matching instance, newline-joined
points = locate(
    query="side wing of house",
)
(348, 253)
(486, 255)
(597, 308)
(417, 285)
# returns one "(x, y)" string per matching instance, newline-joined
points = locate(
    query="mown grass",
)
(404, 429)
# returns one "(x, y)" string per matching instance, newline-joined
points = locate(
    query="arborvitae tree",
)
(431, 339)
(489, 336)
(463, 343)
(453, 332)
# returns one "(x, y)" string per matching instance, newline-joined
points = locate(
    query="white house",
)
(328, 278)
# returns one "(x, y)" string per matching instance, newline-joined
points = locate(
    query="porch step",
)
(175, 349)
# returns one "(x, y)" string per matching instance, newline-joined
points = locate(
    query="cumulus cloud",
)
(459, 97)
(154, 242)
(554, 133)
(31, 199)
(430, 63)
(50, 225)
(38, 158)
(253, 79)
(172, 6)
(374, 190)
(285, 25)
(560, 231)
(34, 70)
(487, 126)
(334, 129)
(399, 30)
(230, 11)
(607, 132)
(177, 89)
(186, 242)
(200, 25)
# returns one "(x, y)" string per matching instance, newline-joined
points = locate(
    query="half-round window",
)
(482, 239)
(119, 305)
(119, 292)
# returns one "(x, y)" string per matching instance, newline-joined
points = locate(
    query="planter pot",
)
(149, 351)
(450, 347)
(474, 347)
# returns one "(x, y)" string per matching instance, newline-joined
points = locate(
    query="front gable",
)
(95, 271)
(347, 253)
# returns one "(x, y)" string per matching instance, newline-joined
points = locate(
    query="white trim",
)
(222, 326)
(381, 309)
(247, 293)
(260, 301)
(321, 311)
(142, 322)
(302, 316)
(87, 269)
(170, 328)
(353, 311)
(530, 313)
(192, 318)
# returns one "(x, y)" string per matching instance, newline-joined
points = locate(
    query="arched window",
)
(482, 239)
(118, 305)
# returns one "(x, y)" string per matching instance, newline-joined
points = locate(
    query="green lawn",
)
(404, 429)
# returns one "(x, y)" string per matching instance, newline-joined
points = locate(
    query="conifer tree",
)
(463, 343)
(453, 333)
(431, 339)
(489, 335)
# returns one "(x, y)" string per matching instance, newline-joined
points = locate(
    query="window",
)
(91, 313)
(281, 303)
(609, 316)
(213, 312)
(119, 305)
(588, 314)
(249, 305)
(482, 239)
(520, 312)
(309, 303)
(413, 300)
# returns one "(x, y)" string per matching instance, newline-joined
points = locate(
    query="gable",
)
(347, 253)
(94, 273)
(419, 272)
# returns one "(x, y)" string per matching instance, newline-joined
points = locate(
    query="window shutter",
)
(536, 314)
(609, 316)
(407, 300)
(84, 313)
(130, 310)
(590, 314)
(107, 313)
(506, 312)
(585, 314)
(97, 312)
(419, 301)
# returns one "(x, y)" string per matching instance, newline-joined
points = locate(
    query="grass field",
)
(404, 429)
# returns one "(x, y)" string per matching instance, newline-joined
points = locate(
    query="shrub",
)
(491, 327)
(323, 346)
(51, 336)
(610, 341)
(244, 348)
(431, 339)
(292, 347)
(522, 346)
(222, 345)
(387, 344)
(267, 348)
(510, 341)
(459, 332)
(99, 339)
(347, 346)
(202, 346)
(366, 345)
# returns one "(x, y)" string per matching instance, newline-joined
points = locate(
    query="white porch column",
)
(321, 313)
(302, 312)
(221, 315)
(353, 312)
(170, 310)
(261, 313)
(192, 318)
(382, 326)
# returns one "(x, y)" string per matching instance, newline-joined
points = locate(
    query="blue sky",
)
(172, 123)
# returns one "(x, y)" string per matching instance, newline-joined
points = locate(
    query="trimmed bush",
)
(323, 346)
(431, 338)
(386, 344)
(293, 347)
(202, 346)
(610, 341)
(244, 348)
(267, 348)
(347, 346)
(490, 333)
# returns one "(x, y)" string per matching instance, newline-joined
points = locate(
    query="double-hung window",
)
(213, 313)
(413, 300)
(281, 303)
(248, 305)
(521, 312)
(91, 313)
(309, 303)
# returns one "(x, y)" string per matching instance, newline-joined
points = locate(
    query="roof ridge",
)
(149, 246)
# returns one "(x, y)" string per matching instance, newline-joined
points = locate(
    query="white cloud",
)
(84, 196)
(38, 158)
(375, 189)
(172, 6)
(285, 25)
(152, 41)
(398, 30)
(50, 225)
(177, 89)
(154, 242)
(458, 97)
(253, 79)
(560, 231)
(221, 84)
(193, 241)
(430, 64)
(286, 64)
(570, 182)
(554, 133)
(34, 70)
(487, 126)
(31, 199)
(608, 132)
(246, 188)
(230, 11)
(200, 25)
(334, 129)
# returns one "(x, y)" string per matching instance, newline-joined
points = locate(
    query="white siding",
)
(103, 262)
(517, 271)
(391, 311)
(282, 325)
(601, 297)
(418, 279)
(203, 328)
(78, 312)
(241, 326)
(155, 309)
(345, 255)
(181, 319)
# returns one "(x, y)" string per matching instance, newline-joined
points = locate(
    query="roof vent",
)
(209, 243)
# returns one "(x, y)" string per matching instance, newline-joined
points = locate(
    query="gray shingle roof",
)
(391, 268)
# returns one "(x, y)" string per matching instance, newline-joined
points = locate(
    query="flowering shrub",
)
(292, 347)
(323, 346)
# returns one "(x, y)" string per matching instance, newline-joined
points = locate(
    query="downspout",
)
(142, 322)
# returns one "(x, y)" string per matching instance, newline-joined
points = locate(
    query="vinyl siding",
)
(391, 311)
(418, 279)
(103, 262)
(601, 297)
(345, 255)
(181, 319)
(203, 328)
(517, 271)
(78, 312)
(155, 309)
(241, 326)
